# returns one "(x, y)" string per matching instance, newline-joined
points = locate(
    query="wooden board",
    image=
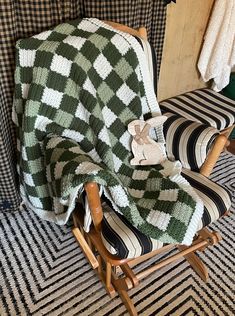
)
(185, 28)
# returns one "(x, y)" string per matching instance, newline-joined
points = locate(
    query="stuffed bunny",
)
(145, 150)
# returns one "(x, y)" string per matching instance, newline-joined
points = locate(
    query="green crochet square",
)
(99, 41)
(39, 178)
(49, 47)
(63, 118)
(105, 97)
(112, 55)
(41, 75)
(114, 80)
(66, 50)
(36, 164)
(56, 36)
(42, 190)
(56, 81)
(26, 74)
(123, 69)
(65, 28)
(80, 59)
(69, 104)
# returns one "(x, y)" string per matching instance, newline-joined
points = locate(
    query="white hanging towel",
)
(218, 52)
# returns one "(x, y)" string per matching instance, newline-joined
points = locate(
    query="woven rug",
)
(43, 272)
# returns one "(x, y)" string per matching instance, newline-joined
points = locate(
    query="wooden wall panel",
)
(185, 28)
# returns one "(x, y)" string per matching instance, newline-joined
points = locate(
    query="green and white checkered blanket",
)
(78, 86)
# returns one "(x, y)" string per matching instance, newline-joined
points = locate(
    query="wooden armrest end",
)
(93, 197)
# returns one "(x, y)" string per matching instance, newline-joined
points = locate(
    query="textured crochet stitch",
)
(78, 86)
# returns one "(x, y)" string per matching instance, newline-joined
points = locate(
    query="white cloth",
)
(218, 52)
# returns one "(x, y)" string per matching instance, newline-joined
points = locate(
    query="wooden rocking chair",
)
(109, 266)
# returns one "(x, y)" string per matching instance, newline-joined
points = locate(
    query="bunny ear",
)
(157, 120)
(131, 126)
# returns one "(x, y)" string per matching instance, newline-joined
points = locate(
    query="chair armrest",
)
(188, 141)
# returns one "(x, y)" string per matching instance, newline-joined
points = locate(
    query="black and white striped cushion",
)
(122, 239)
(188, 141)
(202, 105)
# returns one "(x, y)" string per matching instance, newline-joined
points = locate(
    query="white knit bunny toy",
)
(146, 151)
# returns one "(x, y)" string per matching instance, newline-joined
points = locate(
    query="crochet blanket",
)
(78, 86)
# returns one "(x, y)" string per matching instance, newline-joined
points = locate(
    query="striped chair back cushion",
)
(203, 105)
(188, 141)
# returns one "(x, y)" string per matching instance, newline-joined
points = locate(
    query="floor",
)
(44, 272)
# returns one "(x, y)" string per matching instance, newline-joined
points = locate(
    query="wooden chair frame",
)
(108, 266)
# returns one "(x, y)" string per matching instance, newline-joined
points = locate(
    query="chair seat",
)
(203, 105)
(122, 239)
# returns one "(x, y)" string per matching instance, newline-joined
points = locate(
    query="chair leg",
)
(196, 263)
(127, 302)
(122, 285)
(106, 277)
(115, 284)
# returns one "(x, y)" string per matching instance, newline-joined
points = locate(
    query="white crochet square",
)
(77, 150)
(43, 35)
(136, 193)
(117, 163)
(25, 90)
(125, 140)
(125, 94)
(88, 27)
(28, 179)
(82, 113)
(61, 65)
(87, 167)
(121, 43)
(27, 57)
(102, 66)
(104, 136)
(53, 142)
(42, 122)
(140, 175)
(109, 116)
(94, 155)
(73, 135)
(88, 85)
(23, 153)
(158, 219)
(52, 97)
(58, 170)
(35, 202)
(119, 196)
(75, 41)
(168, 195)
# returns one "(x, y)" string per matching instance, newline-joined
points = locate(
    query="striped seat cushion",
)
(202, 105)
(122, 239)
(188, 141)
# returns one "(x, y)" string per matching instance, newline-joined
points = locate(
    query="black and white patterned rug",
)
(43, 272)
